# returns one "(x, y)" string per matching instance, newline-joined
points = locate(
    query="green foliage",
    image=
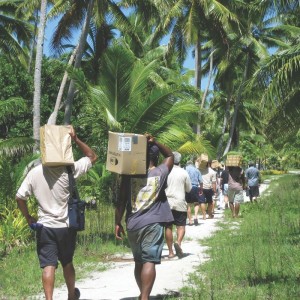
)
(86, 260)
(14, 230)
(14, 80)
(272, 172)
(259, 254)
(52, 74)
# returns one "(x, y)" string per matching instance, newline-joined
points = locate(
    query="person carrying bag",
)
(76, 207)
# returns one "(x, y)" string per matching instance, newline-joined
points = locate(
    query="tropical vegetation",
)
(260, 260)
(122, 66)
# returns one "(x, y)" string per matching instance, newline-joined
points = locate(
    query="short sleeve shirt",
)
(50, 186)
(209, 176)
(252, 174)
(179, 183)
(148, 203)
(195, 175)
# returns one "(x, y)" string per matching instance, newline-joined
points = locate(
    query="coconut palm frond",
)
(16, 146)
(197, 146)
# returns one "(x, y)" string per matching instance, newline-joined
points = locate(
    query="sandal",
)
(178, 250)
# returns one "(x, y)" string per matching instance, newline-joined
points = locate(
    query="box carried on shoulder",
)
(56, 145)
(126, 153)
(215, 164)
(234, 161)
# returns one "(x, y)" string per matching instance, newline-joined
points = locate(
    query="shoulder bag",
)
(76, 207)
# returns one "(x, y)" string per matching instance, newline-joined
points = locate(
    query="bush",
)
(273, 172)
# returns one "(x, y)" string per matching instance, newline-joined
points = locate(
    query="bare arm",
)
(86, 150)
(164, 150)
(214, 187)
(24, 209)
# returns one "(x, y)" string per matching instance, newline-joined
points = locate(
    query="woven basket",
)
(234, 161)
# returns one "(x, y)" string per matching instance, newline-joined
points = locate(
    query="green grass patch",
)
(20, 275)
(257, 256)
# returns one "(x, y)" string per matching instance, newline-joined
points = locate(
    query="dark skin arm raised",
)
(164, 150)
(85, 149)
(125, 181)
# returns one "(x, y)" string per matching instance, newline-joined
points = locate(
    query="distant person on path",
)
(55, 241)
(195, 196)
(148, 211)
(224, 185)
(236, 186)
(209, 187)
(253, 179)
(179, 184)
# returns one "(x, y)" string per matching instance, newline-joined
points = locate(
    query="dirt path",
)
(118, 283)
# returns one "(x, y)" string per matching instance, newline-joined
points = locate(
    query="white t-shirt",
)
(208, 176)
(179, 183)
(50, 186)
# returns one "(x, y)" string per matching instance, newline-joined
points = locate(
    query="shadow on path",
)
(170, 295)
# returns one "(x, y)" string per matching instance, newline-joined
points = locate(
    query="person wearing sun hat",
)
(147, 210)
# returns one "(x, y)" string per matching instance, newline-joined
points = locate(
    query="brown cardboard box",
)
(215, 164)
(234, 161)
(126, 153)
(202, 161)
(56, 145)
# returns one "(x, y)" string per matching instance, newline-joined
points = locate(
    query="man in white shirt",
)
(55, 240)
(179, 184)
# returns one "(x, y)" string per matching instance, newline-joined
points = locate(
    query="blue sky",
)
(50, 27)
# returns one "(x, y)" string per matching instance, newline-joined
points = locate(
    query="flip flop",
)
(178, 250)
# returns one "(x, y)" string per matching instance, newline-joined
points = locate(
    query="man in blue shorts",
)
(195, 196)
(148, 211)
(55, 240)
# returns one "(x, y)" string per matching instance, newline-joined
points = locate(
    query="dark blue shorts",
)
(55, 244)
(147, 243)
(253, 191)
(179, 218)
(193, 195)
(208, 194)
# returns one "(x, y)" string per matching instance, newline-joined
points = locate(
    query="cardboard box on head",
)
(202, 161)
(215, 164)
(126, 153)
(56, 145)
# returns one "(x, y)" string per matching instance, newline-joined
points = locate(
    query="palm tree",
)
(95, 12)
(37, 76)
(132, 96)
(15, 33)
(248, 45)
(198, 21)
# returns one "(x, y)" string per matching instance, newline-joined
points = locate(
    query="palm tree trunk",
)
(198, 75)
(37, 77)
(33, 44)
(81, 44)
(236, 106)
(225, 122)
(211, 63)
(53, 117)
